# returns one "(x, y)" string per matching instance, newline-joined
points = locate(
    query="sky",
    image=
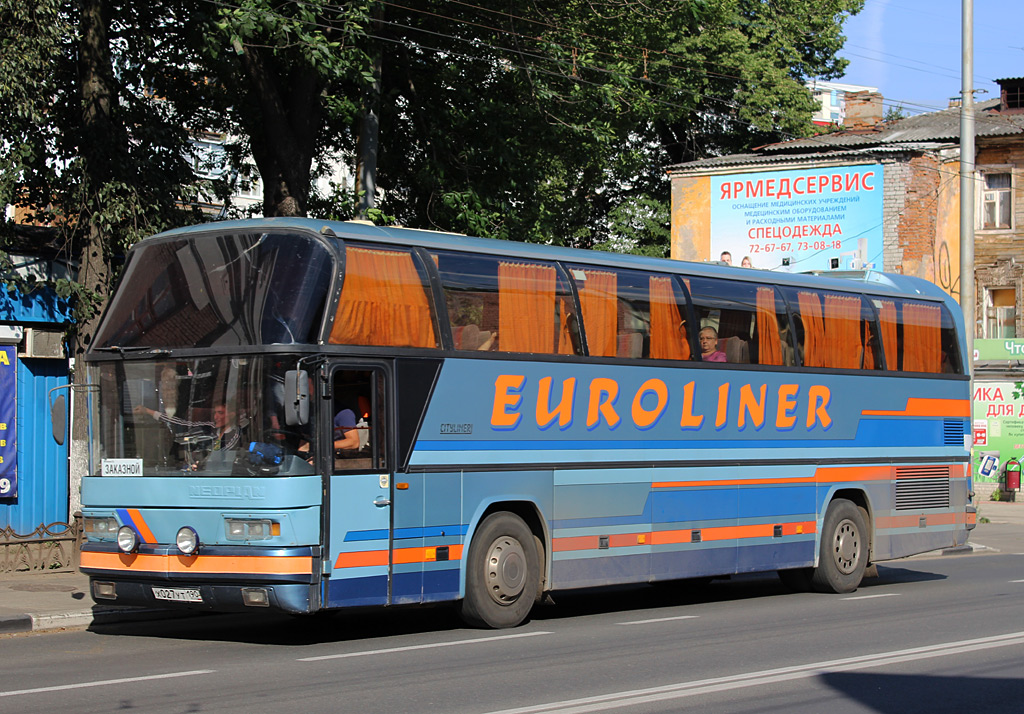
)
(911, 50)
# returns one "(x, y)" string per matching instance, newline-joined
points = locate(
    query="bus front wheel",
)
(502, 573)
(844, 549)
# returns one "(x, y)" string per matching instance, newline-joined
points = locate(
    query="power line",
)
(566, 65)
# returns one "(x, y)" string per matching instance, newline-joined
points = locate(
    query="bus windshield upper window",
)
(226, 290)
(384, 300)
(508, 305)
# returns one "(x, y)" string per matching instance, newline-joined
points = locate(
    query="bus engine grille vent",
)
(952, 432)
(922, 487)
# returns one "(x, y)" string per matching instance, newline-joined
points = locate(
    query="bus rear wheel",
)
(502, 573)
(844, 549)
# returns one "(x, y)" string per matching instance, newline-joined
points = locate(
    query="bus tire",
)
(502, 573)
(844, 549)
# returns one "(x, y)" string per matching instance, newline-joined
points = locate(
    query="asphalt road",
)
(928, 635)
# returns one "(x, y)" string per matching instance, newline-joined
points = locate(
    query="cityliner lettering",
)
(787, 407)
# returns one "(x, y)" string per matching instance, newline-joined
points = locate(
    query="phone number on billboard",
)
(796, 246)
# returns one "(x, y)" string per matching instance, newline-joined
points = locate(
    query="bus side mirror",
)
(296, 397)
(59, 419)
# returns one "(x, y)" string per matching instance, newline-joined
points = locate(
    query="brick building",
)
(876, 194)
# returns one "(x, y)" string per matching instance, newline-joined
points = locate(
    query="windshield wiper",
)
(117, 349)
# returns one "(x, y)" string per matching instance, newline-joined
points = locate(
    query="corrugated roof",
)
(920, 132)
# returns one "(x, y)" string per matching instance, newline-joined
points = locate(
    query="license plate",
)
(177, 594)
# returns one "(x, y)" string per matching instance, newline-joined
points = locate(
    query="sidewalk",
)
(51, 601)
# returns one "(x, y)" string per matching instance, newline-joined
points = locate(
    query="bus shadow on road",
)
(288, 630)
(902, 693)
(889, 575)
(356, 625)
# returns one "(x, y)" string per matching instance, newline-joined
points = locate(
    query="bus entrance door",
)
(359, 499)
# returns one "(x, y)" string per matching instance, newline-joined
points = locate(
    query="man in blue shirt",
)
(346, 434)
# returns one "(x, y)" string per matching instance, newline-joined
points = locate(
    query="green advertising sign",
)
(998, 350)
(998, 426)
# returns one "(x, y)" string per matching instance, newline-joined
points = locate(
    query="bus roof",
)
(870, 281)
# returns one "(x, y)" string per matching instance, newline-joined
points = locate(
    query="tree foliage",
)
(542, 121)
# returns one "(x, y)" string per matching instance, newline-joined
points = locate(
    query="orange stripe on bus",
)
(914, 521)
(402, 556)
(140, 523)
(831, 474)
(824, 474)
(208, 564)
(922, 407)
(683, 535)
(733, 482)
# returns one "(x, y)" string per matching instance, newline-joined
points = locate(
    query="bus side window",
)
(507, 305)
(837, 330)
(750, 321)
(357, 422)
(920, 336)
(384, 300)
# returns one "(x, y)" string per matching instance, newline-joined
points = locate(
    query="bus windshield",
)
(234, 289)
(214, 416)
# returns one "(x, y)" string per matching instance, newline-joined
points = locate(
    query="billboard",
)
(800, 220)
(8, 421)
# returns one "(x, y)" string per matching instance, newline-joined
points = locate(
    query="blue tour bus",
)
(303, 415)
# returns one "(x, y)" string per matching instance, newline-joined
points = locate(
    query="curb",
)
(11, 624)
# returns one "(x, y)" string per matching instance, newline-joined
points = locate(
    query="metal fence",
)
(50, 548)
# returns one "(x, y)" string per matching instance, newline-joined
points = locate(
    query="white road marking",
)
(105, 682)
(431, 645)
(1017, 581)
(659, 619)
(638, 697)
(870, 597)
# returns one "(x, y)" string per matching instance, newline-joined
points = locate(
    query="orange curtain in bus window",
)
(814, 329)
(842, 331)
(890, 344)
(769, 343)
(922, 344)
(526, 308)
(599, 303)
(382, 302)
(668, 332)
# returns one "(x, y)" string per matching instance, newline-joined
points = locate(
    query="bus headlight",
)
(251, 528)
(127, 539)
(99, 527)
(187, 540)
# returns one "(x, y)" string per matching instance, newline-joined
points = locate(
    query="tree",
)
(286, 77)
(543, 120)
(84, 149)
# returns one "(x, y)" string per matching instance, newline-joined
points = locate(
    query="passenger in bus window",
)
(709, 351)
(346, 433)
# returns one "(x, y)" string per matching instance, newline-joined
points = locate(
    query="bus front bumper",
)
(218, 578)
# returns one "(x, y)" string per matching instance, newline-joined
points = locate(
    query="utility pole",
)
(967, 297)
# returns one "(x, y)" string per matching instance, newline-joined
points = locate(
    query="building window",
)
(249, 187)
(1000, 313)
(207, 159)
(996, 201)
